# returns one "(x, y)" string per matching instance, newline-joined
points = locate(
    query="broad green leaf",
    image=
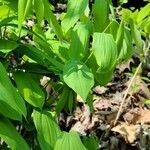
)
(13, 5)
(91, 143)
(80, 40)
(24, 7)
(52, 19)
(60, 48)
(120, 37)
(12, 105)
(113, 28)
(105, 51)
(39, 10)
(103, 77)
(63, 99)
(127, 49)
(126, 14)
(144, 12)
(5, 11)
(7, 46)
(47, 129)
(136, 35)
(69, 141)
(74, 10)
(30, 89)
(40, 56)
(147, 27)
(9, 134)
(100, 13)
(78, 77)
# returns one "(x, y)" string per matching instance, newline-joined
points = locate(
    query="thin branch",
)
(130, 84)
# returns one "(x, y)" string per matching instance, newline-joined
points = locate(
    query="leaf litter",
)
(133, 128)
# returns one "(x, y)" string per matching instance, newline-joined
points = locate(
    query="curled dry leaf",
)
(127, 131)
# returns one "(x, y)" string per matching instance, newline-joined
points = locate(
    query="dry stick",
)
(124, 98)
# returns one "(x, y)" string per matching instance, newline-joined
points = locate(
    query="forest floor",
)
(132, 130)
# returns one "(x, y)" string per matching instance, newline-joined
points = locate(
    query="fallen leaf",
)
(100, 89)
(144, 117)
(127, 131)
(124, 65)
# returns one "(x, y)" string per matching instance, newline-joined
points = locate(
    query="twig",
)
(127, 91)
(130, 84)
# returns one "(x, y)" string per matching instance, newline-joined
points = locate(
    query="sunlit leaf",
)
(105, 51)
(69, 141)
(47, 129)
(11, 103)
(39, 10)
(100, 12)
(78, 77)
(30, 89)
(74, 10)
(80, 40)
(24, 7)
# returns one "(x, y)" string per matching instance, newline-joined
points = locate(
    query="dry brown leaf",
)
(127, 131)
(100, 89)
(144, 117)
(124, 65)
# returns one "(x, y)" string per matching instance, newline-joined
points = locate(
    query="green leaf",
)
(100, 13)
(39, 10)
(136, 35)
(127, 49)
(52, 19)
(120, 37)
(24, 7)
(47, 129)
(105, 51)
(11, 103)
(5, 11)
(69, 141)
(13, 5)
(80, 35)
(63, 99)
(91, 143)
(60, 49)
(7, 46)
(144, 12)
(30, 89)
(147, 102)
(114, 25)
(103, 77)
(78, 77)
(9, 134)
(74, 10)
